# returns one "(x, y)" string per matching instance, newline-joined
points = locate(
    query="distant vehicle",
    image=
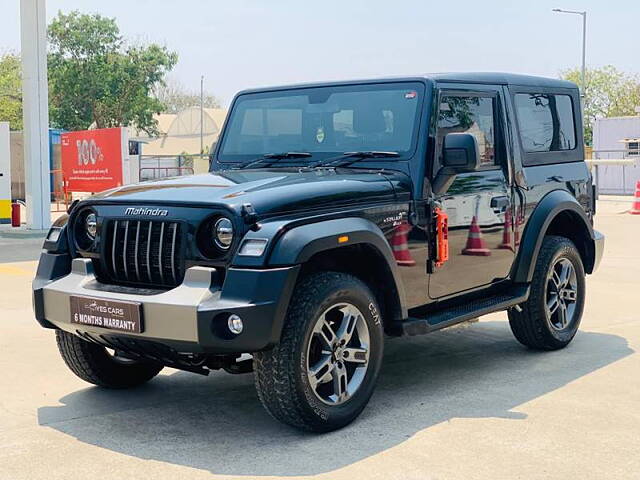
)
(334, 214)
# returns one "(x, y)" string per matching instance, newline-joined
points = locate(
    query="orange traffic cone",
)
(516, 229)
(400, 246)
(635, 207)
(475, 243)
(506, 234)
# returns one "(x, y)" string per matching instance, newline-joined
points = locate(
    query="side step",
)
(460, 313)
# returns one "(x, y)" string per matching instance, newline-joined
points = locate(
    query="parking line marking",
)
(10, 270)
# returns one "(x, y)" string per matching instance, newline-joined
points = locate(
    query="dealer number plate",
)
(114, 315)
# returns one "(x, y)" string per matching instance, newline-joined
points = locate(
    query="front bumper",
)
(190, 318)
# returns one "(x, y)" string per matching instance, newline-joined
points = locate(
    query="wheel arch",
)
(558, 213)
(349, 245)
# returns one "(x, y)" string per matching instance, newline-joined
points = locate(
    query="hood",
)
(269, 191)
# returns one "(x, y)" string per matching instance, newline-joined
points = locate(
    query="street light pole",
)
(201, 114)
(584, 44)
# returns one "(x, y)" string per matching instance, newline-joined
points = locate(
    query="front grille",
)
(143, 252)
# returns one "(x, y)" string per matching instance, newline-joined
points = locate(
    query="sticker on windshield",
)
(320, 135)
(411, 94)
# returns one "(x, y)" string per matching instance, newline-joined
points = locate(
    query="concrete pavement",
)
(463, 403)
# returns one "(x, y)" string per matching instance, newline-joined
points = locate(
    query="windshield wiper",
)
(347, 158)
(271, 158)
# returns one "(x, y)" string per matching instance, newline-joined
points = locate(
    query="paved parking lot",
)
(459, 404)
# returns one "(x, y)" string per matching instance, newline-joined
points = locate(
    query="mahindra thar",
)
(333, 215)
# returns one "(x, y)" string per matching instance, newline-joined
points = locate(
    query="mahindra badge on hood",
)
(151, 212)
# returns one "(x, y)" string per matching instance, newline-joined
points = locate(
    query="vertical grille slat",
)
(124, 252)
(173, 251)
(149, 232)
(113, 246)
(144, 252)
(160, 252)
(135, 256)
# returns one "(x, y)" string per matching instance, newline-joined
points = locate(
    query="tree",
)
(608, 93)
(176, 98)
(11, 91)
(95, 79)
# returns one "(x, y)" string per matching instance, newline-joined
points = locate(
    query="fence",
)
(616, 171)
(161, 166)
(151, 167)
(59, 194)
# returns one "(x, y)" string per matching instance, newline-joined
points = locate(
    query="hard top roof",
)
(502, 79)
(460, 77)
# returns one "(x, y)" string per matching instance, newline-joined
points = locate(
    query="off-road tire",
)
(531, 327)
(93, 363)
(280, 373)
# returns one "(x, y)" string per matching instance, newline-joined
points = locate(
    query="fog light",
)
(234, 322)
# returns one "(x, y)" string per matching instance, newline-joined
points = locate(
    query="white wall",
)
(607, 133)
(5, 172)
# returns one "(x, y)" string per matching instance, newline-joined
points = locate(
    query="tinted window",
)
(323, 121)
(546, 122)
(474, 115)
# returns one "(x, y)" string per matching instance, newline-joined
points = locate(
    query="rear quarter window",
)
(548, 127)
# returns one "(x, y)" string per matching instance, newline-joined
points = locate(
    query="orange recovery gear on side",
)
(442, 237)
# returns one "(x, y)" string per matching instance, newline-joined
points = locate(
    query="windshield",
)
(323, 121)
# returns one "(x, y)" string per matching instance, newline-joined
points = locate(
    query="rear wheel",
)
(95, 364)
(551, 316)
(323, 372)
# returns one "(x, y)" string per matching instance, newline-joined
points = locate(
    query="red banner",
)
(92, 159)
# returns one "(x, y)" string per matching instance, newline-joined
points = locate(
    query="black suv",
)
(334, 214)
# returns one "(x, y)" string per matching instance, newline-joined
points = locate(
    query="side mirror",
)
(460, 155)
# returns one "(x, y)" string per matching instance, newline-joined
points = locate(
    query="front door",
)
(481, 240)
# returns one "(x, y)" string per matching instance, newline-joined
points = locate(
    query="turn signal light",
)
(253, 247)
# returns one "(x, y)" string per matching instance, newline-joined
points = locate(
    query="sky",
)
(238, 44)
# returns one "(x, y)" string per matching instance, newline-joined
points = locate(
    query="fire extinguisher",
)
(15, 214)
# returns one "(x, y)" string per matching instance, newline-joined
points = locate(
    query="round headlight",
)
(91, 225)
(223, 233)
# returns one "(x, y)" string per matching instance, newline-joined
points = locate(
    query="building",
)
(180, 133)
(617, 138)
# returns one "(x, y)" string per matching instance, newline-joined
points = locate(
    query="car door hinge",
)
(418, 213)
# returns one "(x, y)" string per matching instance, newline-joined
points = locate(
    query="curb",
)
(17, 233)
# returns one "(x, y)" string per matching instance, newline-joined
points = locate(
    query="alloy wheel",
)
(562, 294)
(338, 353)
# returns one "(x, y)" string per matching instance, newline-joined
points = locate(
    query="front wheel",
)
(95, 364)
(551, 316)
(323, 372)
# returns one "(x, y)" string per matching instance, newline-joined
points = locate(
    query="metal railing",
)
(615, 171)
(160, 166)
(59, 195)
(152, 173)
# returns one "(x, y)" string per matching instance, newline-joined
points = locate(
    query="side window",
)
(470, 114)
(546, 122)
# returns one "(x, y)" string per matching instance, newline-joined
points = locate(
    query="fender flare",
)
(298, 244)
(546, 211)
